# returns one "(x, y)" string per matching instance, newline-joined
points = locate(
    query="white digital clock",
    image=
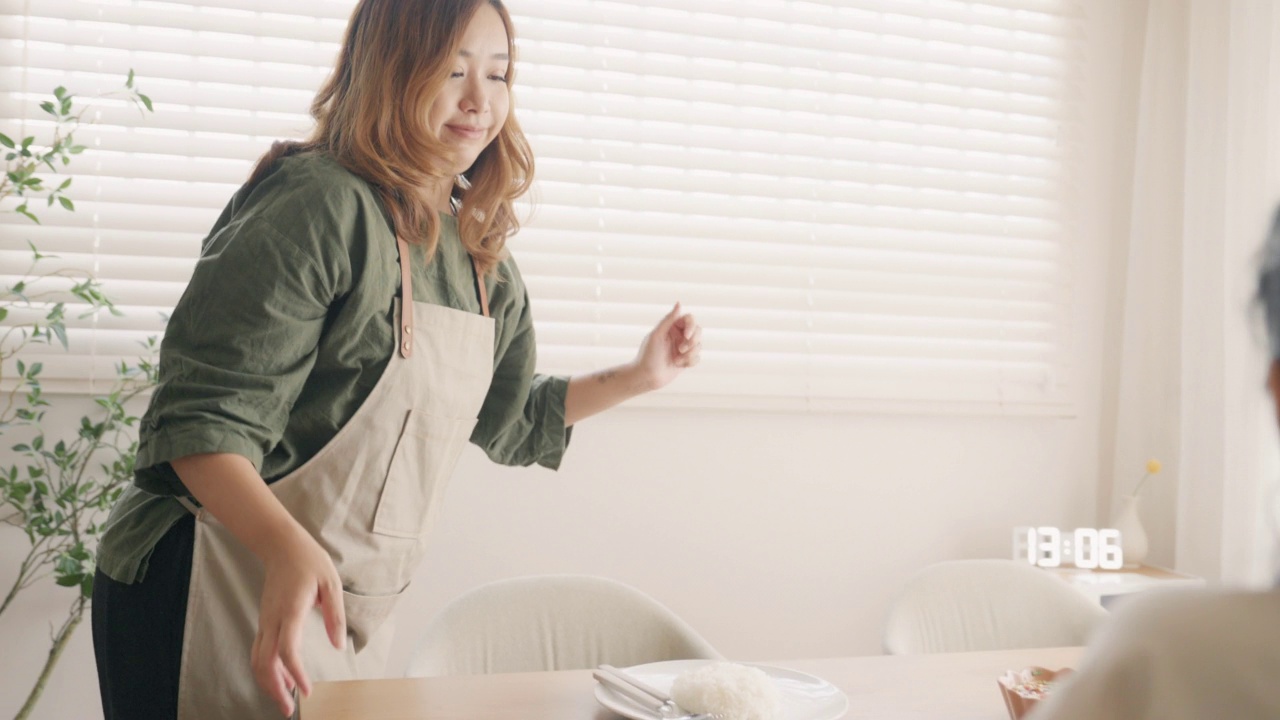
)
(1085, 548)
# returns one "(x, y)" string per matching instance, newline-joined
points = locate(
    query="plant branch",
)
(61, 484)
(60, 640)
(17, 583)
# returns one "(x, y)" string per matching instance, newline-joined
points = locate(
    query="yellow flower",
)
(1153, 467)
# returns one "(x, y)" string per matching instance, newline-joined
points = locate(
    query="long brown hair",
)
(371, 116)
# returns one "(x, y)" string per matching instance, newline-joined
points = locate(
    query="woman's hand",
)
(673, 345)
(299, 576)
(299, 573)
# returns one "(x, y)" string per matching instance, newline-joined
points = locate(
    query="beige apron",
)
(369, 497)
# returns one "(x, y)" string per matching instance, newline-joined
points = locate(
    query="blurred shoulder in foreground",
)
(1179, 654)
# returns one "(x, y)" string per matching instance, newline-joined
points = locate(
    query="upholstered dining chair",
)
(966, 605)
(552, 622)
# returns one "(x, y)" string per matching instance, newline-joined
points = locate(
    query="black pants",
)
(137, 632)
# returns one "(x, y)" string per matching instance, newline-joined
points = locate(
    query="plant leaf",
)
(146, 101)
(129, 81)
(6, 141)
(66, 203)
(22, 210)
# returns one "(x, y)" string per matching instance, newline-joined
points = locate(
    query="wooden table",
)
(956, 686)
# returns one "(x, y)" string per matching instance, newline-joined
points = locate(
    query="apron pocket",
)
(425, 456)
(365, 614)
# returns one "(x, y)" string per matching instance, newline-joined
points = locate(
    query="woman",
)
(352, 321)
(1188, 655)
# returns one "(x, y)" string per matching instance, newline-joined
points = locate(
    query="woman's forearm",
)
(672, 345)
(230, 488)
(598, 391)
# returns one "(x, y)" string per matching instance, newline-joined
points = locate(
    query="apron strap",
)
(406, 296)
(406, 299)
(484, 291)
(186, 503)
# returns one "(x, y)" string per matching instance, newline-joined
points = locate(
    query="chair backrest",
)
(967, 605)
(552, 622)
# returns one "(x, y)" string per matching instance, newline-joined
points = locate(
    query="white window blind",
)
(865, 202)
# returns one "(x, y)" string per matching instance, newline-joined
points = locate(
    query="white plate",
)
(804, 697)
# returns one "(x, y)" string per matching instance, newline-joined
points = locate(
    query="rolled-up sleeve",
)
(236, 352)
(522, 419)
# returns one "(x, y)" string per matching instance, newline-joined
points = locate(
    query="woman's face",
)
(473, 105)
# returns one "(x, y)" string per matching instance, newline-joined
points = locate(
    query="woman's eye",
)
(456, 74)
(499, 78)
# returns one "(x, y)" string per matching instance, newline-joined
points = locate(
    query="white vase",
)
(1133, 538)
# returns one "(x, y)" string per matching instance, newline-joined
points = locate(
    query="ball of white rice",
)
(732, 691)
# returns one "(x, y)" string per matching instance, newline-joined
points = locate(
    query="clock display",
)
(1085, 548)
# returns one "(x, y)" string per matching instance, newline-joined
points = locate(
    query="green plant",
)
(57, 489)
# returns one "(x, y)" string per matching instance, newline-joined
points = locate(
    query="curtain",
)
(1192, 359)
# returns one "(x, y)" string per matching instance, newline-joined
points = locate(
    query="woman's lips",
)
(470, 133)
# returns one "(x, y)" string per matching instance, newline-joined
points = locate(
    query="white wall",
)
(776, 535)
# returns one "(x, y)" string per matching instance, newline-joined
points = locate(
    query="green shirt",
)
(283, 331)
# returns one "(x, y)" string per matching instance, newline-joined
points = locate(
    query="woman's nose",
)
(475, 99)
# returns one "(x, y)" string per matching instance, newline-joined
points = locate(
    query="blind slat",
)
(864, 201)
